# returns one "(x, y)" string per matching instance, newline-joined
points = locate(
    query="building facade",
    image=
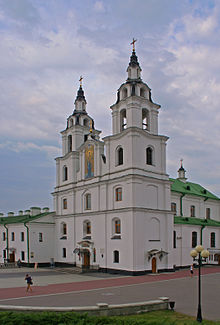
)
(116, 209)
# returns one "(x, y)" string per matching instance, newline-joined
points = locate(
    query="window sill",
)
(154, 240)
(116, 237)
(63, 237)
(87, 237)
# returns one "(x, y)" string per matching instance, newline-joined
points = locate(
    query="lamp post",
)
(202, 256)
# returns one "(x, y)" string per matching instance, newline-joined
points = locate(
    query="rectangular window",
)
(173, 207)
(4, 236)
(192, 211)
(64, 203)
(118, 194)
(64, 252)
(174, 239)
(40, 237)
(88, 201)
(117, 227)
(22, 255)
(194, 239)
(212, 240)
(22, 236)
(4, 253)
(12, 236)
(208, 213)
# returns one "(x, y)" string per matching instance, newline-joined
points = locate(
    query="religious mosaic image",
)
(89, 161)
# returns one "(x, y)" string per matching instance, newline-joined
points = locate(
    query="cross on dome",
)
(133, 43)
(80, 80)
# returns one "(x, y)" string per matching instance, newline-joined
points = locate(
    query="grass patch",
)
(166, 317)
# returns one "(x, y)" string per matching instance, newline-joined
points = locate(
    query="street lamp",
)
(202, 256)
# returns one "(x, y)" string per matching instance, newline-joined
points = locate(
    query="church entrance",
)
(154, 265)
(86, 260)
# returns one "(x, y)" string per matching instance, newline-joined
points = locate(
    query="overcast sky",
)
(46, 45)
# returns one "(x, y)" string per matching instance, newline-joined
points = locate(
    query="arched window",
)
(88, 201)
(124, 93)
(116, 257)
(69, 143)
(194, 239)
(118, 194)
(119, 156)
(71, 123)
(86, 228)
(65, 173)
(64, 203)
(154, 226)
(123, 119)
(192, 211)
(149, 156)
(212, 239)
(145, 119)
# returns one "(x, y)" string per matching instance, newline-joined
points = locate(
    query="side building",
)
(196, 220)
(28, 237)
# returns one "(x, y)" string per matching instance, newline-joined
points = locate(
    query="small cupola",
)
(182, 172)
(80, 101)
(134, 69)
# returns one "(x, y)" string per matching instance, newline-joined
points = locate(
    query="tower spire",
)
(134, 69)
(80, 101)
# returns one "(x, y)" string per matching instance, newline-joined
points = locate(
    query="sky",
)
(45, 46)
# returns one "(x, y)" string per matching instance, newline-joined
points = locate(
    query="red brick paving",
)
(19, 292)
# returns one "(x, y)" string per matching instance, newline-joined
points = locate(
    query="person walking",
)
(191, 271)
(29, 282)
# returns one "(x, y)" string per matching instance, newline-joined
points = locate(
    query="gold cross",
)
(133, 43)
(181, 161)
(80, 80)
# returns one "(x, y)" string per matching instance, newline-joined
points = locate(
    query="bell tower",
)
(79, 125)
(134, 106)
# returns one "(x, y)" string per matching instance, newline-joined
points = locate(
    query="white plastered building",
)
(116, 209)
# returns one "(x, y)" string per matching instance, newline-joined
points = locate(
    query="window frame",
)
(64, 252)
(88, 201)
(149, 156)
(40, 237)
(212, 240)
(118, 194)
(22, 236)
(64, 203)
(12, 236)
(192, 211)
(208, 213)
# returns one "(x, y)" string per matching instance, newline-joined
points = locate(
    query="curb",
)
(101, 309)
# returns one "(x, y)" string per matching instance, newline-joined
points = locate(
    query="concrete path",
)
(53, 288)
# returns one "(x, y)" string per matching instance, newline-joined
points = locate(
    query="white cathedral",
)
(115, 207)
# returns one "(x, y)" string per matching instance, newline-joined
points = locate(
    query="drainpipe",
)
(7, 248)
(181, 204)
(28, 249)
(201, 230)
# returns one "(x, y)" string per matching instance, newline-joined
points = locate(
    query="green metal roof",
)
(191, 189)
(23, 218)
(196, 221)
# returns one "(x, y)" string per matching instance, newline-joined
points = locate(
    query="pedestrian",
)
(191, 271)
(29, 282)
(19, 263)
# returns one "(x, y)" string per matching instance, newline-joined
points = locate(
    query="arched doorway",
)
(154, 265)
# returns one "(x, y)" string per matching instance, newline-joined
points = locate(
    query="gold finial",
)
(80, 80)
(133, 43)
(90, 126)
